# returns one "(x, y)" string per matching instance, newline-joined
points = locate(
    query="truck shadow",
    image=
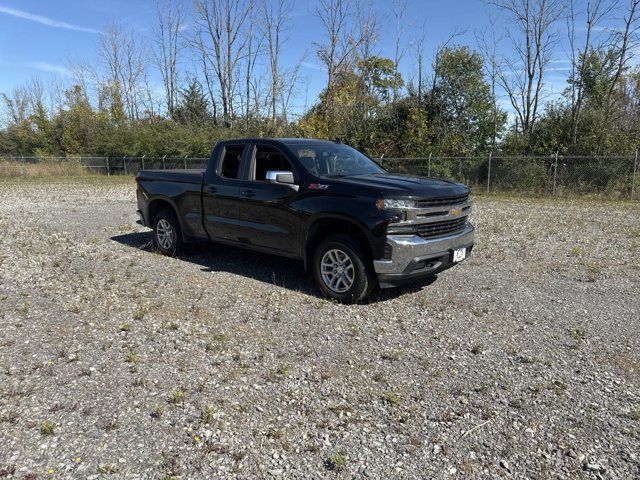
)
(272, 269)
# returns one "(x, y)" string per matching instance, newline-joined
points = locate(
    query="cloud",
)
(50, 68)
(44, 20)
(313, 66)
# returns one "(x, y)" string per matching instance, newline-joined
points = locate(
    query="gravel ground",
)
(116, 362)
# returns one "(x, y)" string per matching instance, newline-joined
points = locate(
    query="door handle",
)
(210, 189)
(247, 193)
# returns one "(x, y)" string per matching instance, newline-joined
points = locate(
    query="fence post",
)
(124, 164)
(489, 173)
(163, 162)
(185, 162)
(555, 173)
(143, 161)
(429, 167)
(635, 171)
(108, 170)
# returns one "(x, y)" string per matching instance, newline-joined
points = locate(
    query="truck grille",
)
(441, 228)
(437, 202)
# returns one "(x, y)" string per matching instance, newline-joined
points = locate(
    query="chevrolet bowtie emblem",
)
(455, 212)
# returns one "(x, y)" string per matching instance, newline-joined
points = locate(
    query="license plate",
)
(459, 255)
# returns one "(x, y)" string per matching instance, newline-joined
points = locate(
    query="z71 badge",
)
(318, 186)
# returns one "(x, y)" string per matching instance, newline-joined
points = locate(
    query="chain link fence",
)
(611, 177)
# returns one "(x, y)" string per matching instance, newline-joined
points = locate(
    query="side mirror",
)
(282, 177)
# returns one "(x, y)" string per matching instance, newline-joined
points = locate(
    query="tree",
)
(462, 115)
(625, 41)
(340, 45)
(595, 13)
(220, 34)
(193, 107)
(531, 29)
(124, 68)
(169, 46)
(275, 31)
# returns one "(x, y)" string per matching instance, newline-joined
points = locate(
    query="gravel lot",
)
(116, 362)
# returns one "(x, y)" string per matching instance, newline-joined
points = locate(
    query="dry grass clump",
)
(47, 168)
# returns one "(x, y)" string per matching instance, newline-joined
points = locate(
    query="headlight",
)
(394, 204)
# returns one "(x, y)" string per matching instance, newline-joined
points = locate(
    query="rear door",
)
(267, 218)
(221, 193)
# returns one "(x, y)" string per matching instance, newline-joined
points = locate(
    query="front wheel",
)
(342, 271)
(166, 233)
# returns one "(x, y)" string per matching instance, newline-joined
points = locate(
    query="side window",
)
(231, 161)
(307, 157)
(268, 158)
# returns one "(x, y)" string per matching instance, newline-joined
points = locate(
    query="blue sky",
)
(38, 38)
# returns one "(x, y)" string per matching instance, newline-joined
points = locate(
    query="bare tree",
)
(418, 46)
(531, 29)
(123, 59)
(367, 26)
(340, 45)
(275, 25)
(399, 9)
(209, 80)
(595, 12)
(254, 47)
(488, 44)
(221, 31)
(16, 105)
(34, 89)
(624, 42)
(169, 46)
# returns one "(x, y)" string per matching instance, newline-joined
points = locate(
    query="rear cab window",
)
(230, 162)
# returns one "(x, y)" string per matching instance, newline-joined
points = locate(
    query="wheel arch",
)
(321, 227)
(158, 204)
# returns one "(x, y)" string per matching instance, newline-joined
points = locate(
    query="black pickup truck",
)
(354, 225)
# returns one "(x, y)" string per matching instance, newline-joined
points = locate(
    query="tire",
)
(167, 235)
(340, 256)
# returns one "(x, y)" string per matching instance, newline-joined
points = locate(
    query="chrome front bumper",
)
(412, 255)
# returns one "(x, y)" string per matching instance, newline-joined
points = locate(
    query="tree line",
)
(224, 75)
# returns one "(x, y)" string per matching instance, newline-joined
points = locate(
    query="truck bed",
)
(178, 175)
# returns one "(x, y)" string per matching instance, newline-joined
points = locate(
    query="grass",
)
(47, 168)
(391, 398)
(125, 327)
(176, 397)
(207, 415)
(157, 412)
(106, 470)
(47, 428)
(593, 271)
(578, 333)
(337, 461)
(131, 357)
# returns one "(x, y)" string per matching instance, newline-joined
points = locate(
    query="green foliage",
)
(193, 107)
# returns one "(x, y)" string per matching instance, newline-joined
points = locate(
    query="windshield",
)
(334, 160)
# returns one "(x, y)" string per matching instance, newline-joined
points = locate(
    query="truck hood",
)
(396, 185)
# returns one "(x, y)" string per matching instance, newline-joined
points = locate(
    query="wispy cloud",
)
(50, 68)
(313, 66)
(14, 12)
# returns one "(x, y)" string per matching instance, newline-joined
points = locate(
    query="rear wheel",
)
(166, 233)
(342, 270)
